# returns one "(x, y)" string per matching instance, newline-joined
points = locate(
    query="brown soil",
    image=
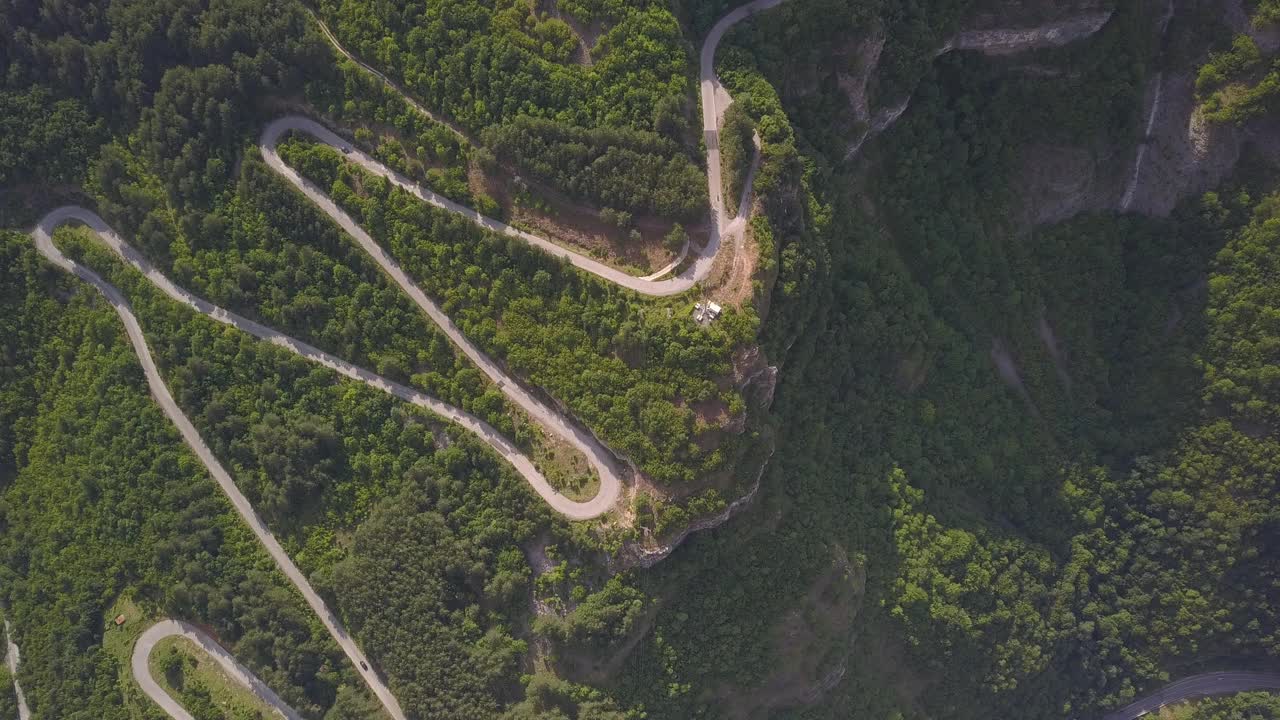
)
(730, 282)
(912, 369)
(578, 227)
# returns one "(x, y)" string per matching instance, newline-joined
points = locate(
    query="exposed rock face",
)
(1182, 154)
(633, 554)
(755, 378)
(1058, 181)
(1003, 41)
(983, 38)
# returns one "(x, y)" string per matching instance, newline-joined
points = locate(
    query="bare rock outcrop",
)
(1182, 154)
(1005, 41)
(982, 36)
(755, 378)
(645, 555)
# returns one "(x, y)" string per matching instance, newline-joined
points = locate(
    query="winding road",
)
(1197, 686)
(43, 236)
(715, 100)
(605, 464)
(597, 455)
(169, 628)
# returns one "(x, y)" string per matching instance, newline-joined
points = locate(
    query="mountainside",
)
(604, 360)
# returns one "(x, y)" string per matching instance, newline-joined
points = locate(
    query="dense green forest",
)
(1245, 706)
(955, 545)
(638, 374)
(1063, 555)
(101, 500)
(615, 133)
(609, 167)
(8, 699)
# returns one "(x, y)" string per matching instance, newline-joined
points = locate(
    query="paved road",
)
(1206, 684)
(169, 628)
(715, 100)
(601, 459)
(43, 236)
(11, 659)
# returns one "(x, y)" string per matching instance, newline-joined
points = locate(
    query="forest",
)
(630, 370)
(609, 167)
(953, 546)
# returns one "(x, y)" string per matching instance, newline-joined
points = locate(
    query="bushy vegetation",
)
(8, 698)
(1239, 83)
(1244, 706)
(629, 370)
(736, 149)
(481, 63)
(609, 167)
(1038, 552)
(101, 500)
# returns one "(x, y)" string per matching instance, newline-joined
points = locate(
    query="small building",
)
(713, 311)
(698, 312)
(119, 620)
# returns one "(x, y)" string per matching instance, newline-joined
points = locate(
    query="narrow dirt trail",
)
(715, 100)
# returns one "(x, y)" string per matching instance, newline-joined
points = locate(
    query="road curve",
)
(1203, 685)
(599, 457)
(11, 659)
(168, 628)
(715, 100)
(43, 236)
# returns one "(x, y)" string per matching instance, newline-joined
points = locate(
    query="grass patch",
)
(566, 468)
(118, 641)
(191, 676)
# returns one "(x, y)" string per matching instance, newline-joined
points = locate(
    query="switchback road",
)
(715, 100)
(232, 667)
(43, 236)
(600, 458)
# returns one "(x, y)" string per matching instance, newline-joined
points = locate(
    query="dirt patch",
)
(539, 209)
(729, 281)
(912, 370)
(810, 644)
